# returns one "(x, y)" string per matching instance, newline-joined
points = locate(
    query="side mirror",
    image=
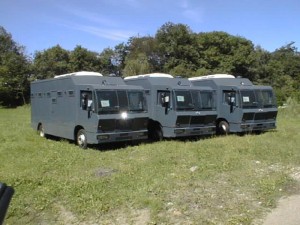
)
(166, 103)
(232, 103)
(167, 99)
(89, 105)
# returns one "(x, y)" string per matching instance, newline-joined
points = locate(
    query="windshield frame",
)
(114, 101)
(194, 100)
(257, 98)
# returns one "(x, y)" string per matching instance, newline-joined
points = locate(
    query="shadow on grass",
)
(100, 147)
(112, 146)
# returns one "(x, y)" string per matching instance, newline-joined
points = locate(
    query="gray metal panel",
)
(56, 104)
(167, 118)
(235, 117)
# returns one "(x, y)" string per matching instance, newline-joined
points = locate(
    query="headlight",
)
(124, 115)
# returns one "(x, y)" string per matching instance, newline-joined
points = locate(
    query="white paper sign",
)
(105, 103)
(246, 99)
(180, 98)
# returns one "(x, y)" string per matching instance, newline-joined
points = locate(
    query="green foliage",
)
(177, 47)
(219, 180)
(51, 62)
(223, 53)
(82, 59)
(137, 65)
(141, 56)
(174, 49)
(107, 66)
(14, 71)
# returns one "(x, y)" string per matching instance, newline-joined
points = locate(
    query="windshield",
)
(183, 100)
(194, 100)
(258, 99)
(115, 101)
(203, 100)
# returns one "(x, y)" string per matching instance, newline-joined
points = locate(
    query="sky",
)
(99, 24)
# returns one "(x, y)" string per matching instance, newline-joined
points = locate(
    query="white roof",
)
(150, 75)
(212, 76)
(80, 73)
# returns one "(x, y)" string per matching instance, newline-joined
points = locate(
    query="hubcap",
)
(81, 139)
(42, 133)
(223, 127)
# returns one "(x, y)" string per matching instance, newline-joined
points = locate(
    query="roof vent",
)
(80, 73)
(150, 75)
(212, 76)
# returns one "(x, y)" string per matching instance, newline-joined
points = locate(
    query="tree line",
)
(174, 49)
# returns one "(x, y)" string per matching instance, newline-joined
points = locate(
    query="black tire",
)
(157, 134)
(81, 139)
(41, 131)
(223, 128)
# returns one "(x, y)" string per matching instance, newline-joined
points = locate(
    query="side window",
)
(163, 98)
(229, 97)
(86, 100)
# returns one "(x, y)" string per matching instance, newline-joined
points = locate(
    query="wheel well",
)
(153, 124)
(154, 130)
(39, 125)
(77, 128)
(219, 120)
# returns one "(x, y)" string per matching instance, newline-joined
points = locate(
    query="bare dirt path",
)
(288, 208)
(287, 212)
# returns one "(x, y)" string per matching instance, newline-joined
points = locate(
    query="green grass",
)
(220, 180)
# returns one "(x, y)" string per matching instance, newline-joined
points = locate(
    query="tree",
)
(51, 62)
(107, 63)
(118, 58)
(284, 72)
(259, 69)
(137, 65)
(82, 59)
(176, 43)
(220, 52)
(14, 71)
(141, 56)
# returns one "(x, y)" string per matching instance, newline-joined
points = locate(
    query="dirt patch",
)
(287, 212)
(130, 217)
(288, 208)
(102, 172)
(65, 216)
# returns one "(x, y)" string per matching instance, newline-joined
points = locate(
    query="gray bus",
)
(242, 107)
(176, 109)
(89, 108)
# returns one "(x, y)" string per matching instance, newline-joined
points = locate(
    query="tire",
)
(81, 139)
(223, 128)
(41, 131)
(157, 134)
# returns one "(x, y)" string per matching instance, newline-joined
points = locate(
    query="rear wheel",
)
(223, 128)
(81, 139)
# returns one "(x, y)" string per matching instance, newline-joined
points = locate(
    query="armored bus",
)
(176, 109)
(89, 108)
(242, 107)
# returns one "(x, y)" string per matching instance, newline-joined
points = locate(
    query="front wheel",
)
(81, 139)
(223, 128)
(157, 134)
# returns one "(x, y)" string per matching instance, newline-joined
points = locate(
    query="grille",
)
(111, 125)
(259, 116)
(195, 120)
(248, 116)
(265, 116)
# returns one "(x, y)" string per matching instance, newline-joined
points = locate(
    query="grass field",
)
(219, 180)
